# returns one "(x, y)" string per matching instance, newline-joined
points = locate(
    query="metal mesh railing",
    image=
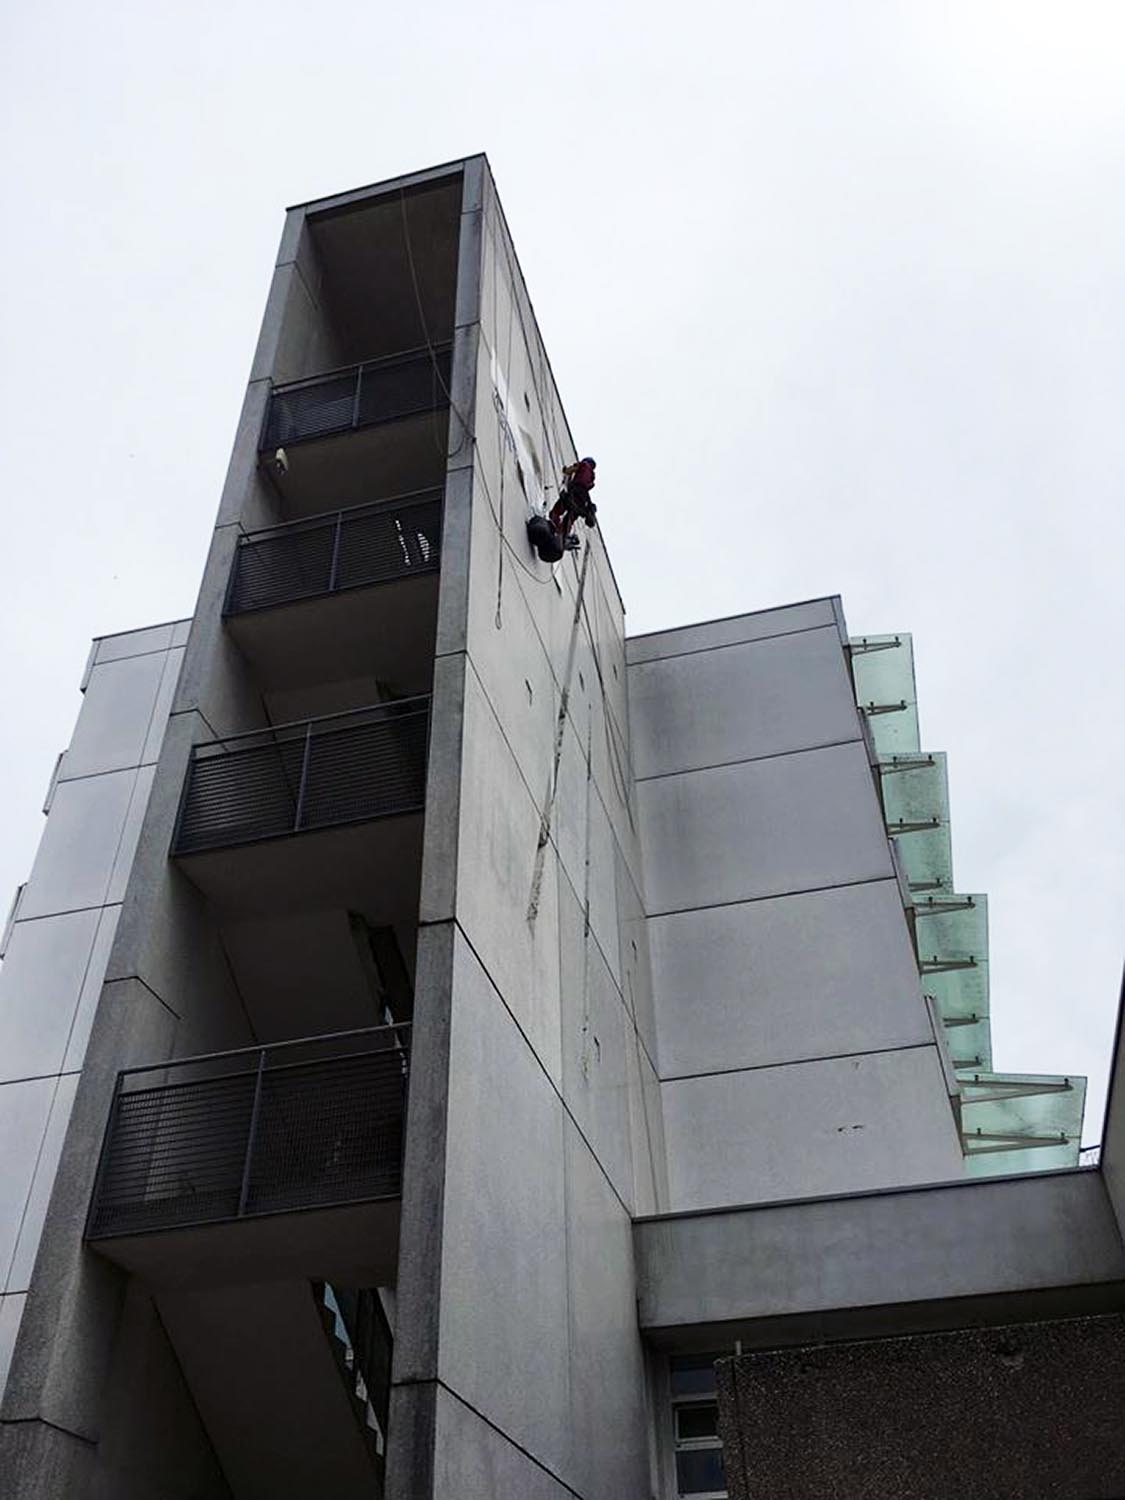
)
(350, 768)
(365, 545)
(379, 390)
(264, 1130)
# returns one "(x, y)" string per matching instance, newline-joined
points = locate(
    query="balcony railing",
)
(308, 1124)
(380, 390)
(272, 783)
(350, 549)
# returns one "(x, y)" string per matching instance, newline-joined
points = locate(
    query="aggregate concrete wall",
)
(1027, 1412)
(795, 1050)
(534, 1127)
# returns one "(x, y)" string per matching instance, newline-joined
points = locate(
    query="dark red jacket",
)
(583, 475)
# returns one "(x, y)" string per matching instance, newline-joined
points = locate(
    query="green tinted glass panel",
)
(897, 732)
(942, 928)
(882, 678)
(1009, 1163)
(927, 858)
(1000, 1109)
(916, 795)
(970, 1047)
(960, 993)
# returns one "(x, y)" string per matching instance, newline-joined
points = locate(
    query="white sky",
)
(833, 291)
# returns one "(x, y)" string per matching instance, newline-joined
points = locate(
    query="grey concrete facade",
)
(795, 1055)
(673, 1077)
(62, 925)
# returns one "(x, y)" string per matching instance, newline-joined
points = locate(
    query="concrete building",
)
(436, 1026)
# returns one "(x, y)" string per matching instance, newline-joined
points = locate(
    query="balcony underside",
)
(384, 630)
(353, 1245)
(354, 467)
(370, 868)
(259, 1366)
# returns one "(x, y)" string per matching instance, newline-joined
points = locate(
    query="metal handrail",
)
(444, 347)
(300, 1041)
(406, 501)
(403, 704)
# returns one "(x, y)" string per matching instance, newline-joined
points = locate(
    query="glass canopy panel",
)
(960, 993)
(1014, 1162)
(1000, 1110)
(946, 925)
(896, 731)
(883, 668)
(927, 858)
(918, 794)
(970, 1045)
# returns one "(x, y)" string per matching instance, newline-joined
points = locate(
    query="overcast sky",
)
(833, 291)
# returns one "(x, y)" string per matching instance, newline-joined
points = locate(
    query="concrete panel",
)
(646, 1126)
(45, 1165)
(570, 810)
(597, 1036)
(788, 692)
(731, 631)
(783, 980)
(24, 1111)
(39, 1459)
(602, 887)
(793, 823)
(808, 1128)
(965, 1239)
(165, 697)
(635, 957)
(66, 1339)
(499, 839)
(83, 1018)
(514, 672)
(42, 977)
(11, 1311)
(504, 1269)
(133, 643)
(608, 1420)
(81, 845)
(472, 1461)
(117, 715)
(130, 833)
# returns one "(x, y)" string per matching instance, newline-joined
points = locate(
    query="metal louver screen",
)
(367, 545)
(378, 391)
(349, 769)
(269, 1136)
(313, 409)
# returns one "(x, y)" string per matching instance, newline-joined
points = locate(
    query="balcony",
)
(386, 419)
(317, 814)
(269, 1162)
(372, 571)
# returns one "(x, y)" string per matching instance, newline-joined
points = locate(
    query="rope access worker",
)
(574, 501)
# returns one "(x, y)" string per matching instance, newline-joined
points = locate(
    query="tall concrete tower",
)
(424, 995)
